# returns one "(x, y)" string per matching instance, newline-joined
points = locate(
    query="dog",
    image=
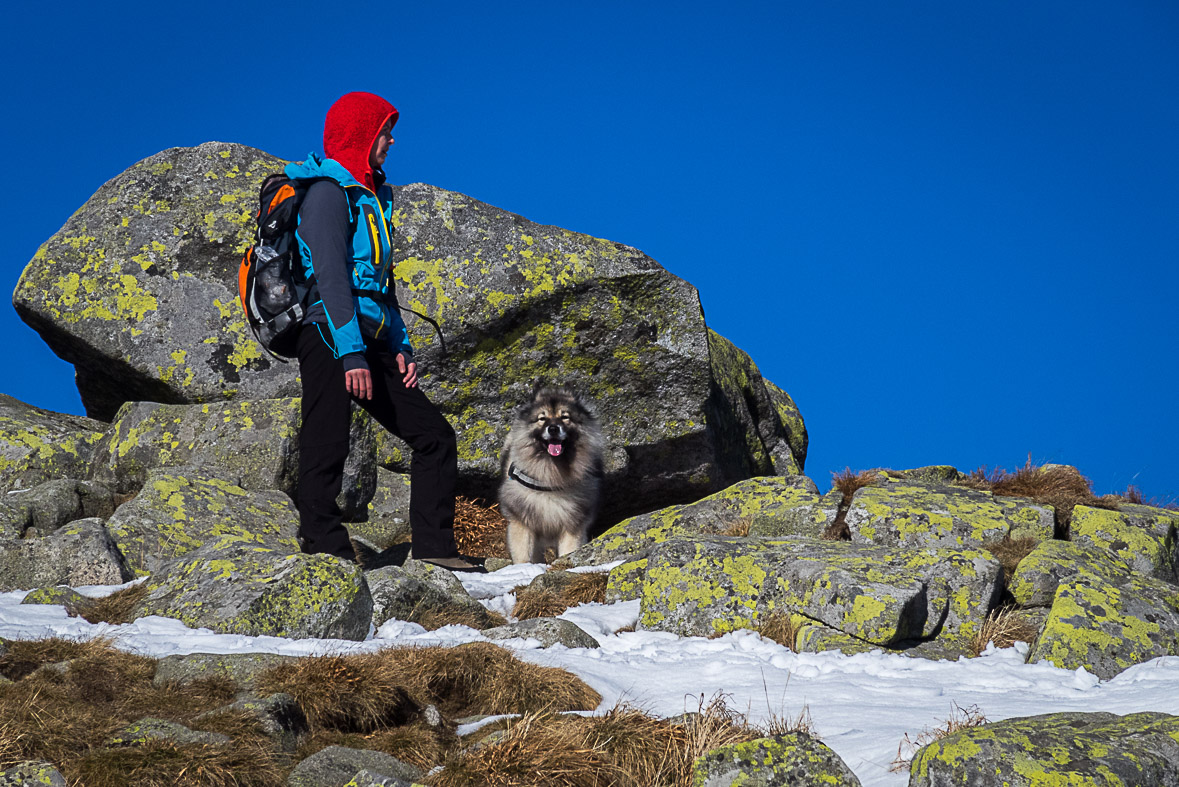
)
(551, 474)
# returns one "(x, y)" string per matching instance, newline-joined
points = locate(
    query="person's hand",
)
(359, 383)
(410, 371)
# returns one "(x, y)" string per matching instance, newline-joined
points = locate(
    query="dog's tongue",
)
(555, 449)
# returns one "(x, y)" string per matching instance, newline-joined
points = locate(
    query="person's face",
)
(381, 146)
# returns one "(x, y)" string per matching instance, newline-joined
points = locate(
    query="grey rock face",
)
(335, 766)
(791, 760)
(138, 291)
(32, 773)
(241, 668)
(1144, 537)
(430, 596)
(39, 511)
(1057, 748)
(179, 511)
(39, 445)
(386, 521)
(549, 631)
(247, 589)
(149, 729)
(81, 553)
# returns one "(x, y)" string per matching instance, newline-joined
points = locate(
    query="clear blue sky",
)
(949, 230)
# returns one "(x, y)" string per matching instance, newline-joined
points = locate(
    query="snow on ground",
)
(862, 706)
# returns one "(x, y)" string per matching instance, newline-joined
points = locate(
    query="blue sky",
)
(949, 230)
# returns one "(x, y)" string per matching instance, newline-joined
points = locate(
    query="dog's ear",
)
(537, 387)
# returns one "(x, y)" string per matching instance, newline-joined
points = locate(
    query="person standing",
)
(353, 346)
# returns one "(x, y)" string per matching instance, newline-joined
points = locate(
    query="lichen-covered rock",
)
(81, 553)
(770, 505)
(922, 514)
(790, 760)
(137, 290)
(1106, 628)
(1056, 748)
(177, 512)
(253, 444)
(252, 590)
(1040, 573)
(366, 778)
(241, 668)
(277, 715)
(39, 445)
(35, 512)
(387, 520)
(424, 594)
(151, 729)
(547, 631)
(1146, 538)
(59, 595)
(32, 773)
(880, 595)
(625, 582)
(336, 765)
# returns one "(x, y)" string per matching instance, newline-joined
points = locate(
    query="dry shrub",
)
(781, 627)
(481, 678)
(416, 743)
(584, 588)
(960, 719)
(480, 529)
(740, 527)
(624, 747)
(847, 483)
(165, 764)
(358, 692)
(1004, 627)
(433, 619)
(118, 607)
(1059, 486)
(21, 657)
(1010, 551)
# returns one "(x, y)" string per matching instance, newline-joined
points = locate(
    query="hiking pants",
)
(323, 449)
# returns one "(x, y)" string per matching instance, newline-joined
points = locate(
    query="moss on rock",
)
(1145, 538)
(1040, 573)
(789, 760)
(40, 445)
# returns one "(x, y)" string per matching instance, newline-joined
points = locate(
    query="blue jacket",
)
(356, 300)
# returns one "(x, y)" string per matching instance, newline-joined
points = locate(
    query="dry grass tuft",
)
(780, 627)
(480, 529)
(786, 725)
(416, 743)
(621, 747)
(1010, 551)
(584, 588)
(21, 657)
(359, 692)
(116, 608)
(164, 764)
(960, 719)
(434, 619)
(847, 483)
(739, 527)
(1004, 627)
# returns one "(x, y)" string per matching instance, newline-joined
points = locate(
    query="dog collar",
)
(527, 480)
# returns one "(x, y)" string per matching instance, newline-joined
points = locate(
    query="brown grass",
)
(1004, 627)
(584, 588)
(480, 529)
(960, 719)
(416, 743)
(434, 619)
(1010, 551)
(740, 527)
(116, 608)
(846, 482)
(1059, 486)
(624, 747)
(779, 627)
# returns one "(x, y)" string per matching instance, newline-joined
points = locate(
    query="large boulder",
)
(1040, 573)
(137, 290)
(1056, 748)
(769, 506)
(884, 596)
(81, 553)
(247, 589)
(39, 445)
(424, 594)
(793, 759)
(178, 512)
(1106, 627)
(29, 513)
(930, 514)
(1146, 538)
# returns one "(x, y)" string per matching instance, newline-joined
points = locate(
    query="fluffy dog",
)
(551, 474)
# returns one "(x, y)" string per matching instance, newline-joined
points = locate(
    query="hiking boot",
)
(473, 565)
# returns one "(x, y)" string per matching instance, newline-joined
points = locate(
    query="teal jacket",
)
(353, 269)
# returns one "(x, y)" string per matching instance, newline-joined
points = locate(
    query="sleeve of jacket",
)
(324, 239)
(398, 335)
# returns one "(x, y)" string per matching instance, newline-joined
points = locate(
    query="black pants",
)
(323, 449)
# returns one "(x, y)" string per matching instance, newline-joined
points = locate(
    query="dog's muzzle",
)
(554, 437)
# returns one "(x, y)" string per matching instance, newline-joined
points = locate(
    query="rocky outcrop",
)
(424, 594)
(38, 445)
(138, 291)
(1057, 748)
(81, 553)
(789, 760)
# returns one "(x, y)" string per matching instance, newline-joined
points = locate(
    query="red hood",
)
(350, 130)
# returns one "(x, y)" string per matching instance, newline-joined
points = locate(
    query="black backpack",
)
(270, 280)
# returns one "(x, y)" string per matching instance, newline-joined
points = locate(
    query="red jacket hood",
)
(350, 130)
